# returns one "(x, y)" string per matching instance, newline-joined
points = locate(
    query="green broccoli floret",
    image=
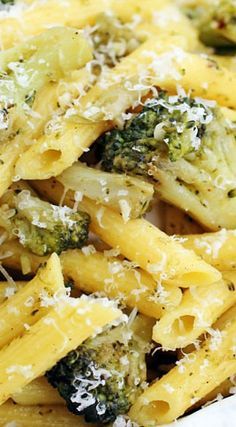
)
(7, 1)
(102, 377)
(187, 148)
(44, 228)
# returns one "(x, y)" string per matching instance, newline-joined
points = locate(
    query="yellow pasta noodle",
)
(195, 376)
(37, 75)
(7, 290)
(218, 249)
(135, 288)
(16, 257)
(34, 20)
(223, 390)
(97, 273)
(114, 190)
(160, 63)
(226, 61)
(228, 316)
(38, 416)
(141, 242)
(199, 309)
(28, 305)
(229, 113)
(53, 153)
(70, 71)
(9, 153)
(51, 338)
(38, 392)
(156, 12)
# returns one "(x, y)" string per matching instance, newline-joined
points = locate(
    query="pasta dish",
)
(117, 210)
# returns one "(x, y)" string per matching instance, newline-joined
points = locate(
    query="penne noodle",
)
(139, 241)
(63, 329)
(8, 290)
(156, 12)
(14, 256)
(218, 249)
(38, 392)
(32, 302)
(113, 277)
(196, 375)
(114, 112)
(228, 316)
(28, 122)
(198, 310)
(147, 62)
(228, 62)
(52, 154)
(117, 279)
(225, 389)
(117, 191)
(35, 19)
(38, 416)
(9, 153)
(229, 113)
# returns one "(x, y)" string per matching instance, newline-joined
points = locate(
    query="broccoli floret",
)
(7, 2)
(187, 148)
(102, 377)
(44, 228)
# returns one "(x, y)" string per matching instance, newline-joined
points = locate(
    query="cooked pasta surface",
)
(117, 210)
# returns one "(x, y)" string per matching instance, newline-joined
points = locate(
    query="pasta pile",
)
(117, 210)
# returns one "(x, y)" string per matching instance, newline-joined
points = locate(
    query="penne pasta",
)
(218, 249)
(155, 13)
(228, 62)
(149, 62)
(197, 375)
(38, 392)
(119, 279)
(49, 416)
(228, 315)
(8, 290)
(51, 338)
(17, 136)
(141, 242)
(117, 122)
(119, 192)
(113, 277)
(198, 310)
(9, 153)
(52, 154)
(152, 249)
(14, 256)
(32, 302)
(36, 18)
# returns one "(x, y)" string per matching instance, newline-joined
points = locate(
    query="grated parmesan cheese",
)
(24, 370)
